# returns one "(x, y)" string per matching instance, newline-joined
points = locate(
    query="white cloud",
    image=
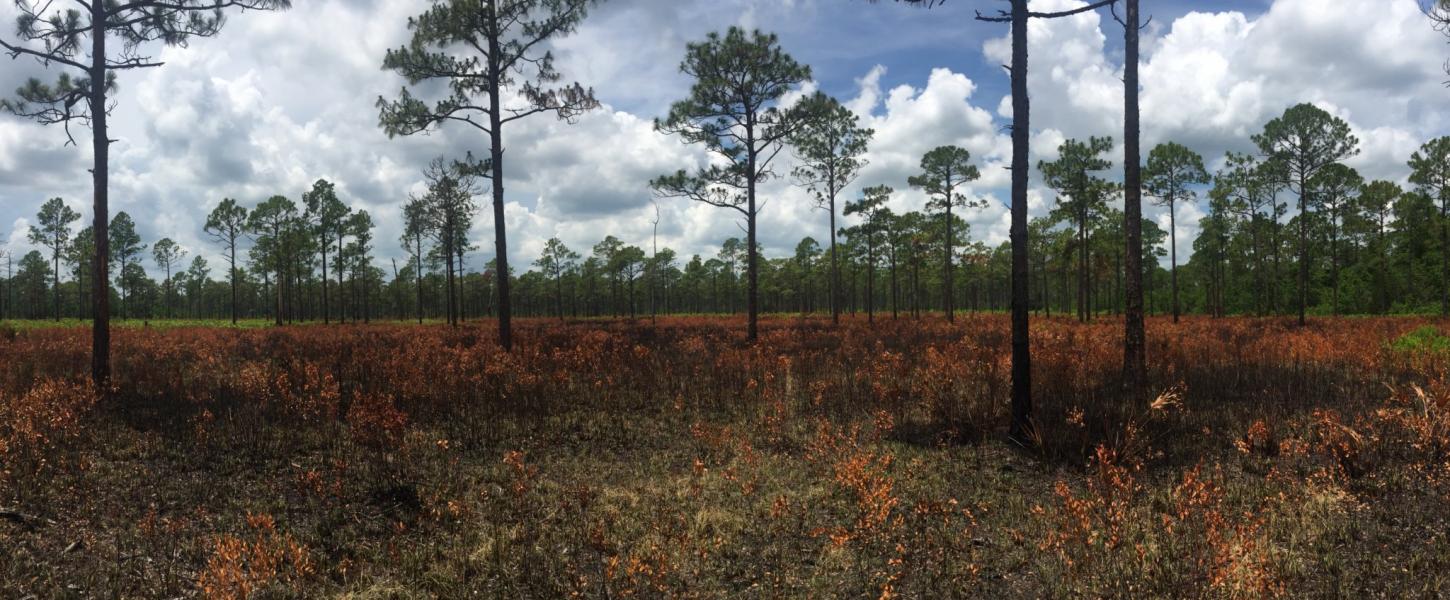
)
(272, 105)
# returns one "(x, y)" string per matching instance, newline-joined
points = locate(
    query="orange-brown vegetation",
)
(672, 459)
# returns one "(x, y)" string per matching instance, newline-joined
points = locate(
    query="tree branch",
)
(44, 57)
(1071, 12)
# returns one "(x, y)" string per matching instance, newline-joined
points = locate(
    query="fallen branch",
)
(22, 519)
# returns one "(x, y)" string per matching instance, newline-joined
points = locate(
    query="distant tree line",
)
(1357, 246)
(1288, 229)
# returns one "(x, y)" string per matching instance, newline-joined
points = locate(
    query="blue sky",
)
(270, 106)
(841, 40)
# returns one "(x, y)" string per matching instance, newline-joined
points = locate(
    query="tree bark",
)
(1444, 257)
(1334, 261)
(505, 309)
(100, 221)
(1384, 291)
(281, 276)
(341, 271)
(1021, 427)
(1083, 287)
(1304, 248)
(55, 275)
(870, 280)
(947, 256)
(559, 291)
(418, 278)
(750, 258)
(835, 265)
(448, 280)
(1173, 253)
(895, 288)
(232, 248)
(326, 312)
(1135, 370)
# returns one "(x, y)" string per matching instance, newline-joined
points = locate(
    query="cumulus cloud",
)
(272, 105)
(911, 121)
(1210, 80)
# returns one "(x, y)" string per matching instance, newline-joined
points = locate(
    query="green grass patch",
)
(1424, 341)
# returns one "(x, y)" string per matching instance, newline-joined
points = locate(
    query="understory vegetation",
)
(673, 459)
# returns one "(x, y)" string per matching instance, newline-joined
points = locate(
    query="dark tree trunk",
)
(1444, 258)
(80, 294)
(462, 282)
(1021, 427)
(100, 221)
(895, 289)
(835, 263)
(1083, 287)
(281, 278)
(55, 278)
(397, 310)
(915, 284)
(1334, 262)
(1173, 254)
(1048, 300)
(870, 281)
(418, 278)
(559, 292)
(326, 313)
(1258, 263)
(947, 257)
(452, 299)
(505, 310)
(341, 271)
(1304, 248)
(1384, 291)
(750, 258)
(232, 247)
(1135, 369)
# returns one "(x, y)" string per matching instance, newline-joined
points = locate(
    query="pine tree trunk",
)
(947, 258)
(101, 147)
(870, 281)
(1304, 249)
(1173, 254)
(1021, 427)
(750, 218)
(1135, 370)
(505, 326)
(1444, 258)
(1084, 288)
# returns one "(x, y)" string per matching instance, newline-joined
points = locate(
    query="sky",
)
(279, 100)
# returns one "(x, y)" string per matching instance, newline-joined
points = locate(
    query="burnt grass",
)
(671, 458)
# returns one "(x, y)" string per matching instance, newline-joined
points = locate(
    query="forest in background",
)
(954, 452)
(1372, 247)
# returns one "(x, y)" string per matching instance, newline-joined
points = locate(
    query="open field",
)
(612, 459)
